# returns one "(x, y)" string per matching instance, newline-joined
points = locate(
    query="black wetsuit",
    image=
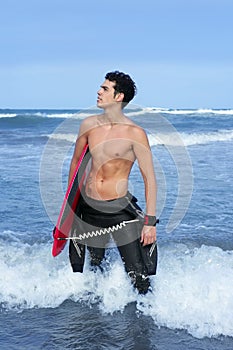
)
(93, 215)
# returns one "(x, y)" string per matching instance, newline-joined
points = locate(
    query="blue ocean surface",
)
(43, 305)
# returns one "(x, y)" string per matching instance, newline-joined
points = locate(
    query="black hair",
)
(124, 84)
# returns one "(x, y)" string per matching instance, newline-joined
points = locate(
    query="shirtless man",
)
(115, 143)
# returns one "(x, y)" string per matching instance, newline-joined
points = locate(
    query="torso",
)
(111, 147)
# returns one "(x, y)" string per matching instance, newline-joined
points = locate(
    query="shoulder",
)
(89, 123)
(92, 120)
(138, 132)
(135, 129)
(138, 135)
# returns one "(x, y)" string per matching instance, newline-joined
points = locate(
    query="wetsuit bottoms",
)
(97, 222)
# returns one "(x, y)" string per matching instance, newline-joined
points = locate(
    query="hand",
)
(148, 235)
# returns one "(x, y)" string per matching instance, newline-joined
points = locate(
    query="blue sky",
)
(55, 53)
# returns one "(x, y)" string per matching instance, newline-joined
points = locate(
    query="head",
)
(122, 84)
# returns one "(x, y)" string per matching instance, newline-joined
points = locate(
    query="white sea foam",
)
(31, 277)
(196, 112)
(7, 115)
(192, 289)
(146, 110)
(132, 111)
(61, 115)
(171, 139)
(66, 137)
(190, 139)
(216, 111)
(186, 112)
(69, 115)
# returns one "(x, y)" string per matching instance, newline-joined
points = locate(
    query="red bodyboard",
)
(66, 216)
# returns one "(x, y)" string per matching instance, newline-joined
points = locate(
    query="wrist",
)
(150, 220)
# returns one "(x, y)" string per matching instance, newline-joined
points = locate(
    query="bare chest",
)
(111, 143)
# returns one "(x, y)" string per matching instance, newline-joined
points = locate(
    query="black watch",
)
(150, 220)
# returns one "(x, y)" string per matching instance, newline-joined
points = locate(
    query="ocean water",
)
(43, 305)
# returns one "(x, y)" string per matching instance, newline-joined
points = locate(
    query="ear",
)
(120, 97)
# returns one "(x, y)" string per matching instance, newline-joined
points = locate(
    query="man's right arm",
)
(81, 141)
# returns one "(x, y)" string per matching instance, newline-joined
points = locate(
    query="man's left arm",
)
(145, 161)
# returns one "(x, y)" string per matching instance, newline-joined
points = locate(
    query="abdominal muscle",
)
(109, 181)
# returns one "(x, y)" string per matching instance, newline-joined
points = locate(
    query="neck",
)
(113, 114)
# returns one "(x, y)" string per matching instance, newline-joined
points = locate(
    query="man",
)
(115, 143)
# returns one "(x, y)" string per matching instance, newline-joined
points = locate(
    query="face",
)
(106, 96)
